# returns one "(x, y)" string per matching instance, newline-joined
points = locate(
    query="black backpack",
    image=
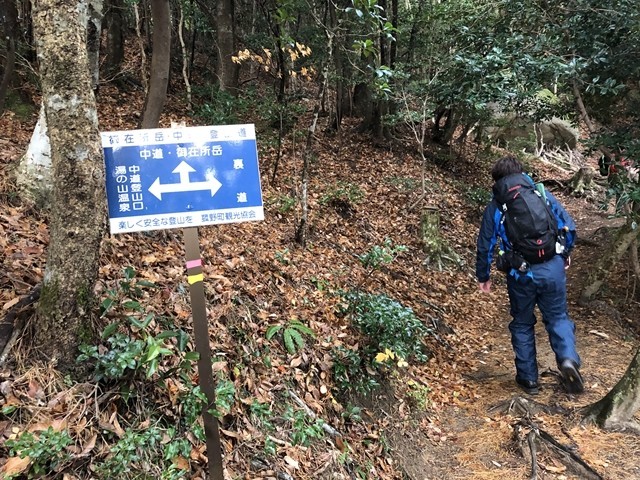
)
(530, 224)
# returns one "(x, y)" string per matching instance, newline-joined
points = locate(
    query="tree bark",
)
(617, 408)
(610, 257)
(77, 219)
(115, 36)
(11, 15)
(34, 175)
(340, 89)
(34, 172)
(160, 64)
(94, 28)
(393, 48)
(303, 227)
(227, 70)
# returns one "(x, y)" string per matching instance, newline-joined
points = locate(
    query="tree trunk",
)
(393, 48)
(77, 220)
(160, 63)
(610, 257)
(582, 181)
(115, 36)
(450, 126)
(617, 408)
(413, 35)
(9, 7)
(94, 28)
(185, 60)
(340, 90)
(34, 172)
(303, 227)
(227, 70)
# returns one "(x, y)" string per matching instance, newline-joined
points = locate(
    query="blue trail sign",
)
(182, 177)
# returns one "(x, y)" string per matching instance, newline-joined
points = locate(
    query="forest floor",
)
(457, 417)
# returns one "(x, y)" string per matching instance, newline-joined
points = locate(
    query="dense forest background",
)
(347, 333)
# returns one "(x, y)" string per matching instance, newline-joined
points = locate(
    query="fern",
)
(292, 335)
(272, 330)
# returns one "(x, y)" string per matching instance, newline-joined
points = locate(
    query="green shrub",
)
(216, 107)
(393, 335)
(478, 196)
(403, 184)
(47, 450)
(342, 192)
(285, 203)
(350, 371)
(138, 351)
(387, 324)
(304, 430)
(381, 255)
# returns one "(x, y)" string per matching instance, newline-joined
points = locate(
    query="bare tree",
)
(77, 219)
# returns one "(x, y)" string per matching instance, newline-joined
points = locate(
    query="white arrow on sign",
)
(184, 169)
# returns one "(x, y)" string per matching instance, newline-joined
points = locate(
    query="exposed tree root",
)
(530, 439)
(537, 438)
(520, 406)
(631, 426)
(332, 432)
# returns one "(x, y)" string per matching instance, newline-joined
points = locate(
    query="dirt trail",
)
(479, 441)
(460, 438)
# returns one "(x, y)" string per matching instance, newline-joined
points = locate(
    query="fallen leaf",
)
(291, 462)
(15, 466)
(35, 390)
(182, 463)
(89, 445)
(552, 469)
(10, 303)
(599, 334)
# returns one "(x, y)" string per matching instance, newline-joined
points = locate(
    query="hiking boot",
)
(529, 386)
(571, 376)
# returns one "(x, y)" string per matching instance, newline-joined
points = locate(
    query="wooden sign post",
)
(201, 334)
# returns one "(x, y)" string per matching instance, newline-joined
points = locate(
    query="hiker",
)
(619, 170)
(536, 236)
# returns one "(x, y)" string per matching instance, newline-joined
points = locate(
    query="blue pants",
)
(545, 286)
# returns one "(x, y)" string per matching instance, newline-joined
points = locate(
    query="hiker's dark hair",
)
(506, 166)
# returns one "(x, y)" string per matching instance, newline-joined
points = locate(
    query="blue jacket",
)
(493, 229)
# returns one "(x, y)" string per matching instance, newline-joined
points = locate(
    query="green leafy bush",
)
(387, 324)
(217, 107)
(391, 332)
(304, 430)
(350, 371)
(146, 452)
(342, 192)
(139, 350)
(47, 451)
(478, 196)
(285, 203)
(129, 452)
(381, 255)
